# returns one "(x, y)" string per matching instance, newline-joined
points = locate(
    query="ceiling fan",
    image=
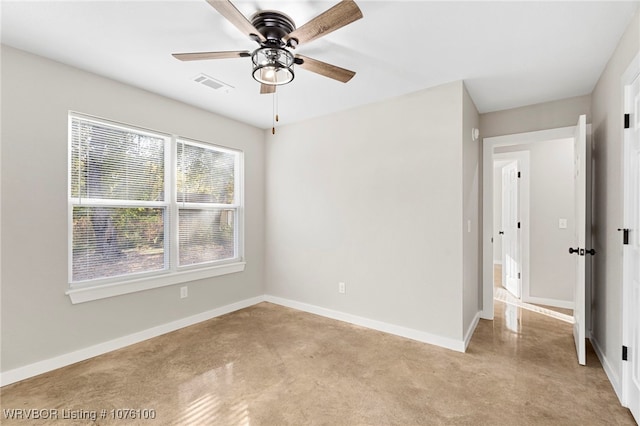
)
(276, 33)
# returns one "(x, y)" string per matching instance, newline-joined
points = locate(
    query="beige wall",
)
(373, 197)
(607, 109)
(548, 115)
(472, 213)
(38, 320)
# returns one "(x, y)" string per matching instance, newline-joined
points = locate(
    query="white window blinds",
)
(147, 203)
(115, 164)
(207, 211)
(117, 189)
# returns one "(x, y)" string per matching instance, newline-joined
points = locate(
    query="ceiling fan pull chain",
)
(276, 100)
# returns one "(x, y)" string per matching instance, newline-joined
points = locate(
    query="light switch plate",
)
(562, 223)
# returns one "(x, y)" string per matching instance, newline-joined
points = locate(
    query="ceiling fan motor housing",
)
(272, 62)
(274, 26)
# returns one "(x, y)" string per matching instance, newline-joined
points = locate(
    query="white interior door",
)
(511, 237)
(631, 254)
(580, 197)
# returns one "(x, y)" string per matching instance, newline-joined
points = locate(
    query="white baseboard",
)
(557, 303)
(471, 329)
(40, 367)
(21, 373)
(409, 333)
(606, 365)
(486, 315)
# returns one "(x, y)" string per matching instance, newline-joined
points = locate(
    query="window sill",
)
(87, 294)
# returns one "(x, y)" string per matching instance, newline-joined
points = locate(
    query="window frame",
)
(186, 205)
(172, 273)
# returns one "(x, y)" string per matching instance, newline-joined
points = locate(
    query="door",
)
(511, 237)
(631, 253)
(578, 249)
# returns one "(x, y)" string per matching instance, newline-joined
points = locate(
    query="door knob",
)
(573, 250)
(591, 252)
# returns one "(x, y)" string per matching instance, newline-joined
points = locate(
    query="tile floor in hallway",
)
(271, 365)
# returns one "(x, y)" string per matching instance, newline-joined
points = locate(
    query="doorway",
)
(511, 239)
(553, 242)
(511, 221)
(538, 236)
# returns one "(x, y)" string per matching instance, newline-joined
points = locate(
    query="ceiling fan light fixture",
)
(272, 66)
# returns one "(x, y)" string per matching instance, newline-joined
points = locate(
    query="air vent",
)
(212, 82)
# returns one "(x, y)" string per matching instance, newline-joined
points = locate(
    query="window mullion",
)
(171, 184)
(238, 199)
(106, 202)
(208, 206)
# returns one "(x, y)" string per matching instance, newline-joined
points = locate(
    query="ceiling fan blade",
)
(233, 15)
(330, 20)
(198, 56)
(325, 69)
(267, 88)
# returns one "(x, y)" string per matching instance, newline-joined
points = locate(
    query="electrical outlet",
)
(184, 292)
(342, 288)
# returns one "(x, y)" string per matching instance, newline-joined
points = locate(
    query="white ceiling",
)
(509, 54)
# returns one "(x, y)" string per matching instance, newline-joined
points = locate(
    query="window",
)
(206, 203)
(148, 209)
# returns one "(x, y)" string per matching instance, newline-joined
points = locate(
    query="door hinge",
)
(625, 235)
(627, 120)
(518, 225)
(519, 175)
(518, 275)
(624, 353)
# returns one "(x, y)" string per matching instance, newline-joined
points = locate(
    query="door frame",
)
(522, 159)
(632, 72)
(488, 147)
